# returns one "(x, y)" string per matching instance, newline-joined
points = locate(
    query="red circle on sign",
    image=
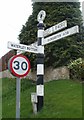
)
(16, 72)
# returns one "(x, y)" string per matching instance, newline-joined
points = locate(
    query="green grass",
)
(63, 99)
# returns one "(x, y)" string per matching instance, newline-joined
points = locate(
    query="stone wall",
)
(50, 74)
(55, 74)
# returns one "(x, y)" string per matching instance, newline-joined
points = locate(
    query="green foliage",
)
(77, 69)
(63, 51)
(63, 99)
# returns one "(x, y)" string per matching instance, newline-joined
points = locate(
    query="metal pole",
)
(18, 98)
(40, 62)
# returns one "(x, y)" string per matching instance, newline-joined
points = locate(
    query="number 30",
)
(17, 65)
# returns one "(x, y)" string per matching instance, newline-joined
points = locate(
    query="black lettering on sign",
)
(65, 33)
(16, 67)
(24, 65)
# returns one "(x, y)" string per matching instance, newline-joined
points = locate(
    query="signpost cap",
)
(41, 16)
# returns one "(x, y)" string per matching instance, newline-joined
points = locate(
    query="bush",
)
(77, 69)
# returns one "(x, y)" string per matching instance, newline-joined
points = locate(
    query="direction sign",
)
(19, 66)
(55, 28)
(22, 47)
(34, 44)
(60, 35)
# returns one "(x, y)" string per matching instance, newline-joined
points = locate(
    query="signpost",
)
(40, 61)
(55, 28)
(61, 35)
(22, 47)
(20, 66)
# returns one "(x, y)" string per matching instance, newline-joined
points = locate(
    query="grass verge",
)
(62, 99)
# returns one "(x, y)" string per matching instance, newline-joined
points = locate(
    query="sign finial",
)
(41, 16)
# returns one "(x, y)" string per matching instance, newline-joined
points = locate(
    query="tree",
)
(65, 50)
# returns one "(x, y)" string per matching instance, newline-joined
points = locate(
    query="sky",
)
(13, 14)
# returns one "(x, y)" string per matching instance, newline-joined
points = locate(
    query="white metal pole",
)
(18, 98)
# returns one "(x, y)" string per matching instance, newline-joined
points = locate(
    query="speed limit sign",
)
(19, 65)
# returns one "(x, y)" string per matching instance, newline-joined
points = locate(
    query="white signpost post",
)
(38, 48)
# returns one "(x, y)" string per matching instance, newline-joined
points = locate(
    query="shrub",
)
(77, 69)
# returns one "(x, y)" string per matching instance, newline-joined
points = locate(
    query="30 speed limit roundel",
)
(19, 65)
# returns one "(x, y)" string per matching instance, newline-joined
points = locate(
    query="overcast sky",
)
(13, 14)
